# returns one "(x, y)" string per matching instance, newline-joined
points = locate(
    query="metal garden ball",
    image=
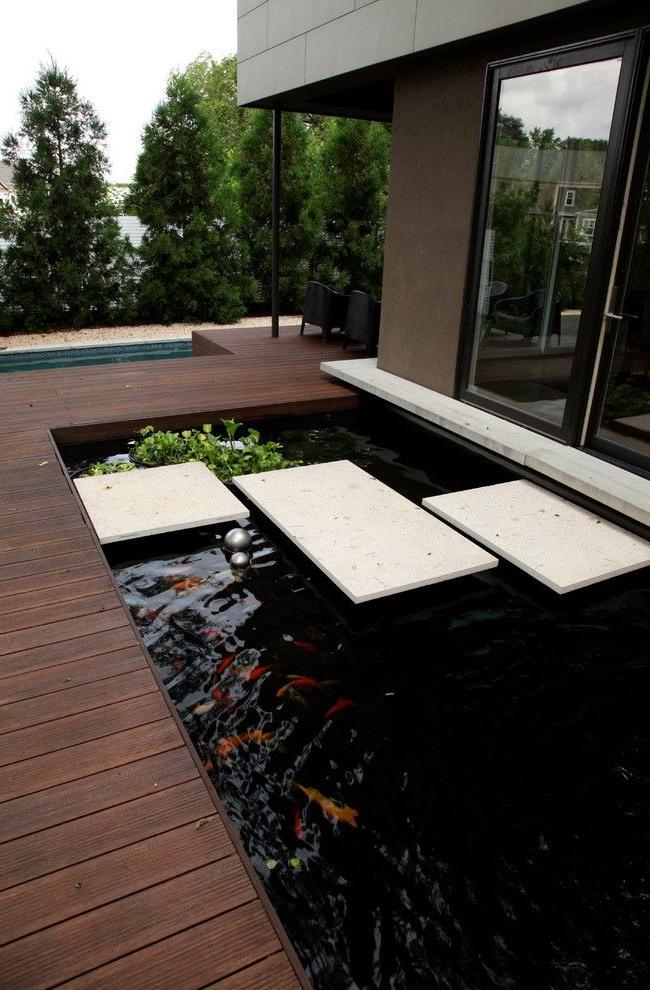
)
(240, 560)
(237, 539)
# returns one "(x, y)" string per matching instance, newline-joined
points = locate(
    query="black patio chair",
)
(495, 292)
(362, 321)
(324, 308)
(522, 315)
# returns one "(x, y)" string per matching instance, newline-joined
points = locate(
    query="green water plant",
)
(225, 455)
(101, 467)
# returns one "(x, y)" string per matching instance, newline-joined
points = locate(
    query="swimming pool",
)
(448, 790)
(44, 358)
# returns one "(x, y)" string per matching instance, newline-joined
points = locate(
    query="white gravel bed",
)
(126, 335)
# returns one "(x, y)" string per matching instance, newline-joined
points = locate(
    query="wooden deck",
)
(104, 878)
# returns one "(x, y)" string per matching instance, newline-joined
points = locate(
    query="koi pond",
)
(450, 789)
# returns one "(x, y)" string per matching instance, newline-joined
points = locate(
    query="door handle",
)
(621, 316)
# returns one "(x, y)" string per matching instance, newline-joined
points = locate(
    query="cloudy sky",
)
(120, 54)
(576, 102)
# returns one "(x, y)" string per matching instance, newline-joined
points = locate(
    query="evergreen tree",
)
(216, 81)
(66, 262)
(191, 260)
(350, 199)
(253, 171)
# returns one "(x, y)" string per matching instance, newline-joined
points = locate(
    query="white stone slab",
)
(560, 544)
(367, 538)
(157, 500)
(606, 483)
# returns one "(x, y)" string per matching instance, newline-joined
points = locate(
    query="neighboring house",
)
(132, 229)
(520, 144)
(6, 181)
(117, 193)
(6, 190)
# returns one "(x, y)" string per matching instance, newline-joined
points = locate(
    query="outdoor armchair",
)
(523, 314)
(324, 308)
(495, 292)
(362, 321)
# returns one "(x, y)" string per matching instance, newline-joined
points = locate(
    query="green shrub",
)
(625, 400)
(224, 456)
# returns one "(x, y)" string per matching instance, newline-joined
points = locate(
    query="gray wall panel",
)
(288, 18)
(345, 35)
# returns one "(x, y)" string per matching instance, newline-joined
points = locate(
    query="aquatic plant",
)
(224, 456)
(100, 467)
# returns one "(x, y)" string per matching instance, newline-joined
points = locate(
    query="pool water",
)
(43, 359)
(483, 745)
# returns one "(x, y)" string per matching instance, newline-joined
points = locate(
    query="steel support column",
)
(275, 223)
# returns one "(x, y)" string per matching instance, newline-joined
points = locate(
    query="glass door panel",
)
(551, 137)
(625, 415)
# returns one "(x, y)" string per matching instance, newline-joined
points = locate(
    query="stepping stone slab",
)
(157, 500)
(560, 544)
(371, 541)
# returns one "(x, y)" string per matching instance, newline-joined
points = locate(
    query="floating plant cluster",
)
(224, 454)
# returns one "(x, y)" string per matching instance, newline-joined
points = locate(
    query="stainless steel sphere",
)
(237, 539)
(239, 560)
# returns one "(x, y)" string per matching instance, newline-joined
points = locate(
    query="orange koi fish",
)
(221, 696)
(226, 746)
(302, 684)
(296, 696)
(213, 633)
(306, 647)
(179, 665)
(256, 673)
(225, 663)
(332, 809)
(340, 705)
(147, 613)
(186, 584)
(204, 707)
(297, 822)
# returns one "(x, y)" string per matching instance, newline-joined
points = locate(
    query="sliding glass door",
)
(550, 143)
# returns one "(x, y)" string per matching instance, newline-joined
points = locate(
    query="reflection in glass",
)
(547, 169)
(626, 413)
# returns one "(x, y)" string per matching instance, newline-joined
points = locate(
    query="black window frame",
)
(625, 46)
(619, 453)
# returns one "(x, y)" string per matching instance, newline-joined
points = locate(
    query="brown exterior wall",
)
(436, 133)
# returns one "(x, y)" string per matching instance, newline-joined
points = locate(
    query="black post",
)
(275, 223)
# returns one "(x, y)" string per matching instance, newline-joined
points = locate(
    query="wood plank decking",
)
(104, 880)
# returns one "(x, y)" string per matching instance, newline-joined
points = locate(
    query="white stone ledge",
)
(594, 478)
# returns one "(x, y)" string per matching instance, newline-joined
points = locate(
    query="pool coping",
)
(63, 348)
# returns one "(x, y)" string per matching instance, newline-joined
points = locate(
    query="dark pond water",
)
(485, 742)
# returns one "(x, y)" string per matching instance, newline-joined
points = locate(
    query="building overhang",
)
(340, 57)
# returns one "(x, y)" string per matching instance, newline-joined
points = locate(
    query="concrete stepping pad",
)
(560, 544)
(369, 540)
(157, 500)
